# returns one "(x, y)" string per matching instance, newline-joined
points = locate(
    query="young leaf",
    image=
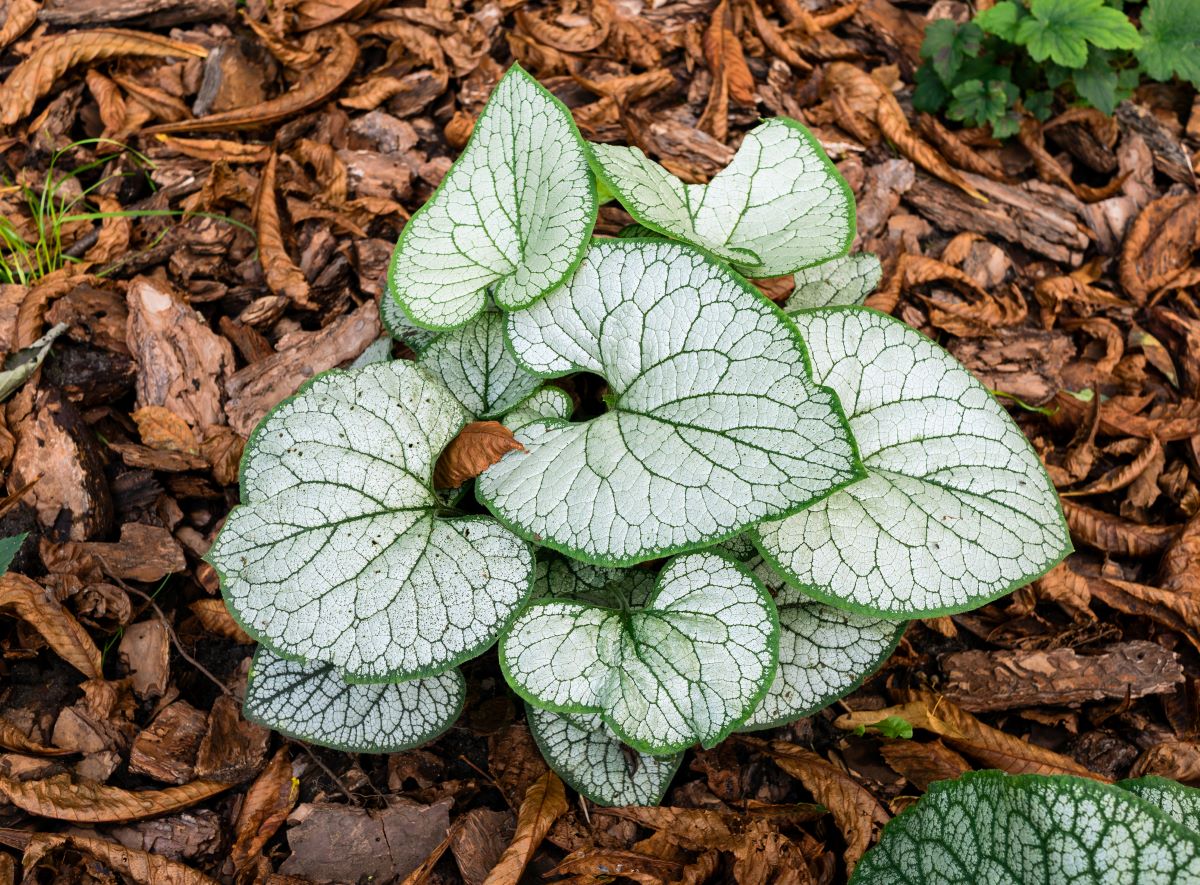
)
(475, 363)
(846, 280)
(311, 702)
(1001, 20)
(337, 554)
(1033, 830)
(956, 509)
(563, 578)
(947, 44)
(1062, 29)
(1096, 82)
(714, 425)
(977, 104)
(545, 402)
(589, 757)
(513, 214)
(397, 324)
(778, 207)
(1180, 803)
(9, 548)
(688, 666)
(1171, 40)
(824, 652)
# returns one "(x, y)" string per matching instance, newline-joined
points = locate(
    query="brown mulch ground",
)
(318, 126)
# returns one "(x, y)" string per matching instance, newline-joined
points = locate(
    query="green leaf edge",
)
(806, 134)
(641, 747)
(351, 678)
(833, 696)
(390, 291)
(569, 779)
(1016, 781)
(351, 748)
(976, 602)
(859, 469)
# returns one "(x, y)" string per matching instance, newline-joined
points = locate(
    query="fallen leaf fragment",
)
(268, 802)
(545, 801)
(607, 862)
(58, 797)
(138, 866)
(214, 149)
(34, 605)
(573, 40)
(855, 811)
(1177, 760)
(1112, 534)
(281, 273)
(477, 447)
(923, 763)
(162, 429)
(317, 84)
(12, 738)
(21, 14)
(36, 75)
(962, 731)
(215, 618)
(1159, 245)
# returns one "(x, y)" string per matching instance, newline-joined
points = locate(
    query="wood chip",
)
(146, 649)
(166, 749)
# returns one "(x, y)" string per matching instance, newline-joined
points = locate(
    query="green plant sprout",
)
(736, 542)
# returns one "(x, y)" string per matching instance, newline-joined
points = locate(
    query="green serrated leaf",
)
(1062, 29)
(956, 509)
(715, 423)
(9, 548)
(1040, 103)
(589, 757)
(930, 93)
(977, 104)
(313, 703)
(846, 280)
(1031, 830)
(779, 206)
(513, 215)
(1171, 40)
(1002, 19)
(1096, 82)
(824, 652)
(947, 44)
(545, 402)
(337, 554)
(474, 362)
(1178, 802)
(689, 666)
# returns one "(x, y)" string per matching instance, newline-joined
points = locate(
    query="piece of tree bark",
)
(256, 389)
(981, 681)
(135, 13)
(1043, 218)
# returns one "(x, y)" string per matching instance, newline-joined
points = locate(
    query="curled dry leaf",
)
(731, 77)
(36, 75)
(91, 803)
(774, 40)
(855, 811)
(923, 763)
(162, 429)
(214, 149)
(1112, 534)
(21, 14)
(12, 738)
(268, 802)
(917, 270)
(1160, 244)
(1177, 760)
(477, 447)
(317, 84)
(573, 40)
(281, 273)
(112, 241)
(140, 867)
(215, 618)
(607, 862)
(965, 733)
(34, 605)
(1119, 477)
(545, 801)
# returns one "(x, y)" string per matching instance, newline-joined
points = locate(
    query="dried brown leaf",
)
(109, 101)
(12, 738)
(214, 149)
(477, 447)
(281, 273)
(112, 241)
(91, 803)
(962, 731)
(774, 40)
(162, 429)
(1120, 477)
(34, 605)
(1112, 534)
(21, 14)
(573, 40)
(855, 811)
(607, 862)
(139, 867)
(725, 57)
(215, 618)
(923, 763)
(545, 801)
(1177, 760)
(268, 802)
(957, 151)
(36, 75)
(1159, 244)
(317, 84)
(312, 14)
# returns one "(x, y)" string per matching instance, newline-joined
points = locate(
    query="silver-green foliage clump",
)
(806, 478)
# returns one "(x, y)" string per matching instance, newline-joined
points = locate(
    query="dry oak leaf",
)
(36, 75)
(34, 605)
(86, 802)
(545, 801)
(965, 733)
(268, 802)
(855, 811)
(317, 84)
(281, 273)
(477, 447)
(877, 103)
(140, 867)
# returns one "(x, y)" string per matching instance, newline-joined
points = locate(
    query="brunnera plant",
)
(735, 541)
(1033, 829)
